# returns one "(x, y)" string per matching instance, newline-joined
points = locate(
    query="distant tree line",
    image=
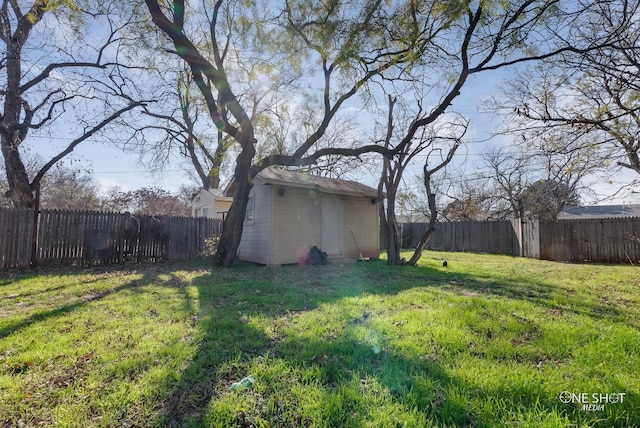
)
(73, 189)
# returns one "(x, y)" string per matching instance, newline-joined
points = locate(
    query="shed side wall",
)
(255, 245)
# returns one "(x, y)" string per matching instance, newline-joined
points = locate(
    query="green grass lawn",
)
(489, 341)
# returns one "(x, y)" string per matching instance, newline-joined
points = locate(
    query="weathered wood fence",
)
(496, 237)
(88, 237)
(609, 240)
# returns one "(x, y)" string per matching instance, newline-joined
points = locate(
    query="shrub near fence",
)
(89, 237)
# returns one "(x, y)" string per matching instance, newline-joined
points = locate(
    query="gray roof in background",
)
(600, 211)
(285, 177)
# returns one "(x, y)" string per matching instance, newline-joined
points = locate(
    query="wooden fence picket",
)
(498, 237)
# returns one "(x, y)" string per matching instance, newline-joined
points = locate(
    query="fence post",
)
(521, 238)
(34, 235)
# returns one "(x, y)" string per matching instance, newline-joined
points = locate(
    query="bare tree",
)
(471, 200)
(176, 128)
(147, 201)
(589, 98)
(540, 181)
(51, 75)
(544, 199)
(69, 189)
(179, 124)
(428, 173)
(445, 138)
(342, 132)
(506, 37)
(509, 173)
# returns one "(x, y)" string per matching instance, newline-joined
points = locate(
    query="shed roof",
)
(600, 211)
(285, 177)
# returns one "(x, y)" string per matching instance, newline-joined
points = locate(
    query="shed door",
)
(331, 225)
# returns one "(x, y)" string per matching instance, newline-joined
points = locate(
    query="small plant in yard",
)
(487, 341)
(211, 245)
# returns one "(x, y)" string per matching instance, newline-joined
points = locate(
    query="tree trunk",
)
(20, 191)
(387, 212)
(433, 212)
(393, 244)
(233, 225)
(12, 131)
(389, 182)
(382, 223)
(234, 221)
(390, 231)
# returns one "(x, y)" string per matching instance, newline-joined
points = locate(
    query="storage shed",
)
(211, 203)
(290, 212)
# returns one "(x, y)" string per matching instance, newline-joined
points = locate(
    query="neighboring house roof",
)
(273, 175)
(216, 193)
(600, 211)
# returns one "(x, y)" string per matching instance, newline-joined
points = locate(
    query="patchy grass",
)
(488, 341)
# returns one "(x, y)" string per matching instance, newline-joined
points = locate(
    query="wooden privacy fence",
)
(88, 237)
(608, 240)
(16, 236)
(496, 237)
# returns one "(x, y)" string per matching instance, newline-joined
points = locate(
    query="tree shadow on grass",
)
(76, 309)
(233, 345)
(63, 299)
(556, 300)
(338, 368)
(69, 305)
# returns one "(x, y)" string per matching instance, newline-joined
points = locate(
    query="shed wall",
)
(296, 223)
(288, 222)
(360, 216)
(255, 245)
